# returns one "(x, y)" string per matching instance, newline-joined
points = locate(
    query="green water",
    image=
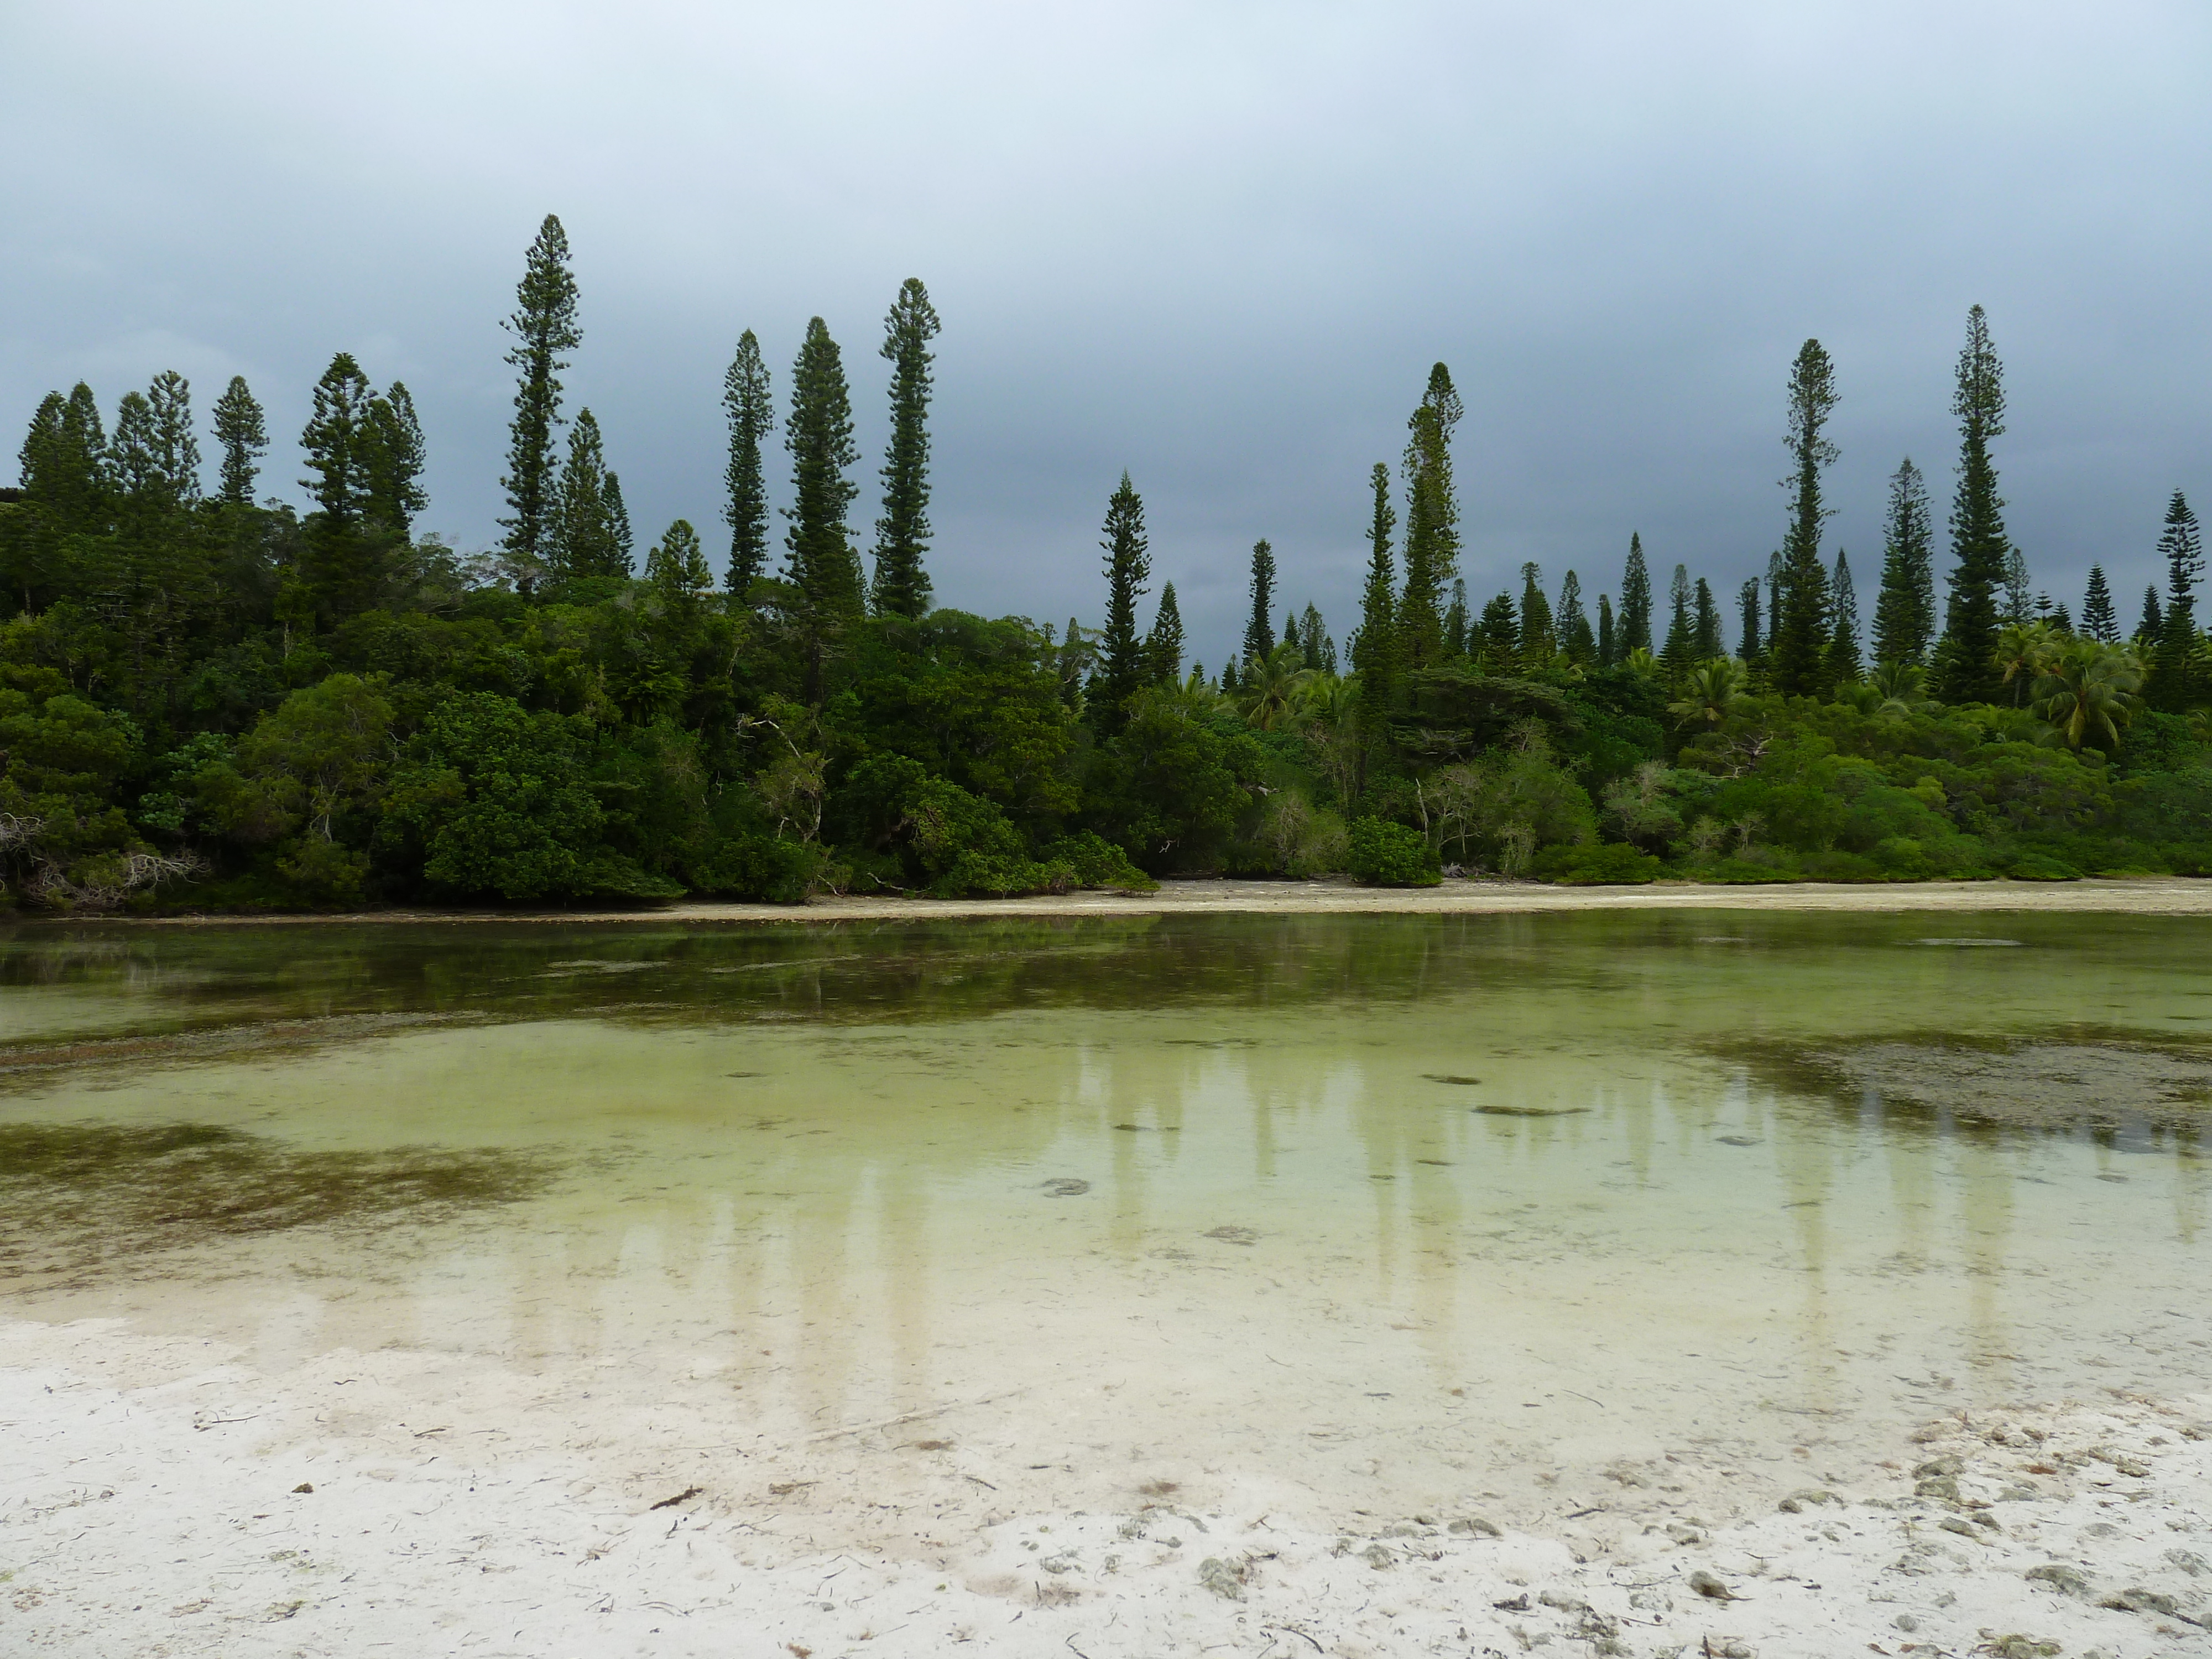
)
(1306, 1193)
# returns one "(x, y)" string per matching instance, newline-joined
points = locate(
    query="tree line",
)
(218, 700)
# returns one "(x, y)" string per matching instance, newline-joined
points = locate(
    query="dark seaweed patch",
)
(2102, 1080)
(76, 1195)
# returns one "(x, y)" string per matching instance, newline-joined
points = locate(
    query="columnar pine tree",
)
(133, 465)
(1319, 650)
(587, 542)
(1843, 665)
(902, 587)
(544, 329)
(820, 437)
(618, 527)
(80, 486)
(337, 444)
(1608, 643)
(2177, 682)
(344, 553)
(243, 435)
(1710, 644)
(1497, 636)
(1163, 645)
(392, 462)
(1431, 520)
(1538, 640)
(1798, 647)
(677, 570)
(748, 400)
(1635, 599)
(1966, 658)
(63, 469)
(1375, 652)
(176, 445)
(1121, 671)
(1747, 604)
(2019, 589)
(1681, 651)
(1456, 621)
(1259, 627)
(2154, 618)
(1904, 611)
(2098, 620)
(1571, 624)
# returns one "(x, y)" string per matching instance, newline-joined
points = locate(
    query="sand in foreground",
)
(411, 1503)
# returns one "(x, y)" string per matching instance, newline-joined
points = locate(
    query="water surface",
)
(1391, 1209)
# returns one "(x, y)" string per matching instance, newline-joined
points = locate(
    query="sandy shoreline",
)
(2151, 896)
(156, 1501)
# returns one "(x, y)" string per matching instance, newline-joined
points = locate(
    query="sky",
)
(1216, 245)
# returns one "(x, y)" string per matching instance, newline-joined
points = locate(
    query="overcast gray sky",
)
(1217, 245)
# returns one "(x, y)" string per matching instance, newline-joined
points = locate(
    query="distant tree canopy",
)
(213, 698)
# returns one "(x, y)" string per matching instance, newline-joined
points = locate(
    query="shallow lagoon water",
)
(1369, 1212)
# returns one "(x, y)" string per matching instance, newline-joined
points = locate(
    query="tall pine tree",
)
(2176, 680)
(2153, 625)
(902, 533)
(1681, 651)
(1708, 624)
(1608, 643)
(545, 330)
(243, 435)
(820, 437)
(1432, 521)
(1966, 658)
(392, 461)
(1163, 645)
(1797, 650)
(1843, 665)
(587, 541)
(618, 527)
(1259, 627)
(1538, 639)
(337, 444)
(1375, 650)
(1572, 624)
(176, 445)
(1121, 671)
(1753, 647)
(747, 399)
(1904, 610)
(2098, 620)
(1635, 599)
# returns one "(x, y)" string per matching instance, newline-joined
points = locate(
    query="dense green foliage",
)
(216, 702)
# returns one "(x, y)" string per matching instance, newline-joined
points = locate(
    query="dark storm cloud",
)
(1217, 245)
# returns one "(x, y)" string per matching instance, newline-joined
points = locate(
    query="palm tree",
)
(1268, 692)
(1708, 691)
(2085, 689)
(1641, 661)
(2025, 650)
(1900, 689)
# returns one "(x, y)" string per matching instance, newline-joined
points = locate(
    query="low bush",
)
(1386, 854)
(1593, 864)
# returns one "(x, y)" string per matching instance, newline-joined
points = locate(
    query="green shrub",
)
(1608, 864)
(760, 867)
(1386, 854)
(2033, 866)
(1096, 862)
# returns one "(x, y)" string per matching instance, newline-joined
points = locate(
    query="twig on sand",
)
(1296, 1631)
(909, 1417)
